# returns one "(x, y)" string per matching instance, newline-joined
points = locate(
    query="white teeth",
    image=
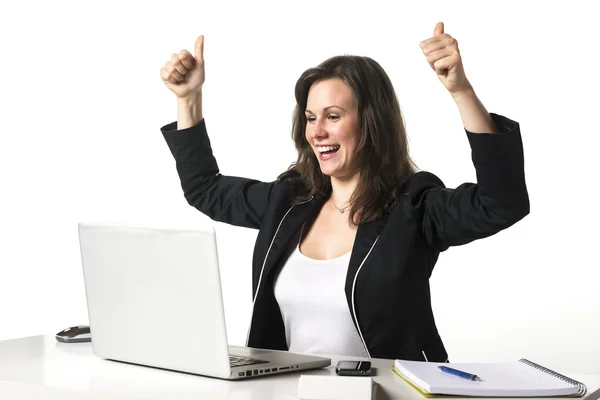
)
(322, 149)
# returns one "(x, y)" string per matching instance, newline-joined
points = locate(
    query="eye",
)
(331, 117)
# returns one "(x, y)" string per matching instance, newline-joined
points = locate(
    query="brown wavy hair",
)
(382, 157)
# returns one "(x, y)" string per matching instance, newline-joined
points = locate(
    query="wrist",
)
(191, 99)
(189, 110)
(468, 93)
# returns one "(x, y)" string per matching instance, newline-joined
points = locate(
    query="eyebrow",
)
(325, 109)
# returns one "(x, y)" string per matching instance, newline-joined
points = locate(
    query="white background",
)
(82, 104)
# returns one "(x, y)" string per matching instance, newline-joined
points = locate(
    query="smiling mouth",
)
(327, 150)
(328, 154)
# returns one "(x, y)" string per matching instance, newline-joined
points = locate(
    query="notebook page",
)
(497, 379)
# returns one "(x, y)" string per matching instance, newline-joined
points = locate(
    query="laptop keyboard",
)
(238, 361)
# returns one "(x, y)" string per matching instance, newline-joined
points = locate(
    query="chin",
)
(331, 174)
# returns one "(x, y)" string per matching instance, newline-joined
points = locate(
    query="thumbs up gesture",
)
(443, 56)
(183, 74)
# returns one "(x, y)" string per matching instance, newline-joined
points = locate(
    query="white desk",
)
(41, 368)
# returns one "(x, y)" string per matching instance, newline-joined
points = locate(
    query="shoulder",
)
(290, 188)
(410, 192)
(417, 183)
(415, 188)
(289, 175)
(293, 181)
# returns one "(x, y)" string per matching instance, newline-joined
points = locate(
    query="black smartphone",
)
(353, 368)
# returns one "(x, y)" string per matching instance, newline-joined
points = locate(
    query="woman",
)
(349, 235)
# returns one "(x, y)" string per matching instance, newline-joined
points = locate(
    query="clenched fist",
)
(184, 73)
(441, 51)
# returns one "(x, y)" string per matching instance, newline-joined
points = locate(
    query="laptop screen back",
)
(154, 297)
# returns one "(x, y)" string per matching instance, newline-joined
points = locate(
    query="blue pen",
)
(458, 373)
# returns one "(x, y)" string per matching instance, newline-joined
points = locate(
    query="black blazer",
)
(387, 285)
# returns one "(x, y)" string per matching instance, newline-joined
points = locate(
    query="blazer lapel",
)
(366, 235)
(288, 230)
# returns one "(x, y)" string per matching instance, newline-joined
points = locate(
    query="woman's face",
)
(332, 127)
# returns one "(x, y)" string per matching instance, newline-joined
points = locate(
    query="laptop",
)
(154, 299)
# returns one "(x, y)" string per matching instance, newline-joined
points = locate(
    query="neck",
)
(342, 189)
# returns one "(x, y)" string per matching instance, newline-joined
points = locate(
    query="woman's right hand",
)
(184, 73)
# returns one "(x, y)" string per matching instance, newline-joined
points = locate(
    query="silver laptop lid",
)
(154, 297)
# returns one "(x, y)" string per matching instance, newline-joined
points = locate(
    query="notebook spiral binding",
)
(582, 388)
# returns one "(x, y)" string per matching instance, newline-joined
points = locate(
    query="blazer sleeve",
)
(233, 200)
(452, 217)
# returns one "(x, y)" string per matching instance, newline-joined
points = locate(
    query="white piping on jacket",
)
(353, 306)
(263, 266)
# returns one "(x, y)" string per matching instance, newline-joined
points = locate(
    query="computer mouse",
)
(75, 334)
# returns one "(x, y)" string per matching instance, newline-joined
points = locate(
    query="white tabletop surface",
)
(39, 368)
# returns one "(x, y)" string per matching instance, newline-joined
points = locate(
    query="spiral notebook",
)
(521, 378)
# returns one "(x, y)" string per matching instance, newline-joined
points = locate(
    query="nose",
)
(318, 130)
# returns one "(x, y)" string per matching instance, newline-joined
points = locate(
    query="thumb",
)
(199, 48)
(439, 29)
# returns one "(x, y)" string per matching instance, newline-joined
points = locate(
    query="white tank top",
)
(311, 297)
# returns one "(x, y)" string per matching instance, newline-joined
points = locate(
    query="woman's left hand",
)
(443, 56)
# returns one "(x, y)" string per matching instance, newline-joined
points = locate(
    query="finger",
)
(173, 72)
(446, 63)
(164, 74)
(178, 65)
(199, 48)
(186, 59)
(439, 29)
(438, 55)
(441, 42)
(434, 39)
